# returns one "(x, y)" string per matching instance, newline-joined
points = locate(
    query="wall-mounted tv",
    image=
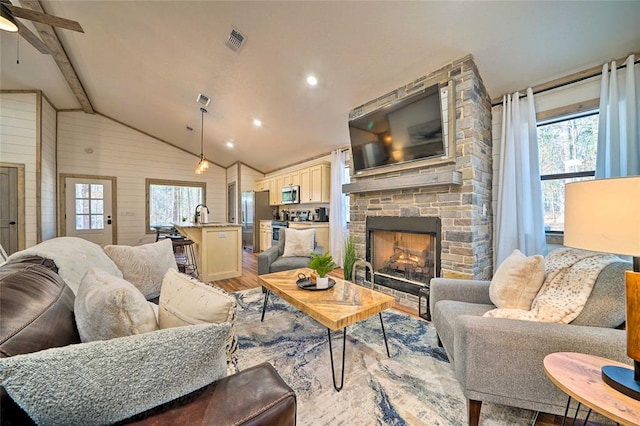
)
(407, 130)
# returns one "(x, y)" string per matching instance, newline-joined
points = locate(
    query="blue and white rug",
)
(416, 386)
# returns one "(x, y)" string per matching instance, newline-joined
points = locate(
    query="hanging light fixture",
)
(7, 22)
(203, 164)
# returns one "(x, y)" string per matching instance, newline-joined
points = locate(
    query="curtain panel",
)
(519, 220)
(618, 151)
(337, 208)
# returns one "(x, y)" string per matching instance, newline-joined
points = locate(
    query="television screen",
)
(408, 130)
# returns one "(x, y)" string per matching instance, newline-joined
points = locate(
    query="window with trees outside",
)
(567, 153)
(172, 202)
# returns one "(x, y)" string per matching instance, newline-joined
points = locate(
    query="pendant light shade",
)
(203, 164)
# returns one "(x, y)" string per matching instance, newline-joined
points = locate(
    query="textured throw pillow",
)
(108, 381)
(517, 281)
(185, 300)
(144, 266)
(107, 307)
(299, 242)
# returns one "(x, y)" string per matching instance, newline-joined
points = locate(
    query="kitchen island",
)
(217, 247)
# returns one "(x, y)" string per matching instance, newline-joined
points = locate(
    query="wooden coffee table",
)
(336, 308)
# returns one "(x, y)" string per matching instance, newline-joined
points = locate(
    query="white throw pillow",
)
(105, 382)
(144, 266)
(299, 242)
(185, 301)
(517, 281)
(107, 307)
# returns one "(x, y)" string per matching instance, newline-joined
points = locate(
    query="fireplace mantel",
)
(402, 182)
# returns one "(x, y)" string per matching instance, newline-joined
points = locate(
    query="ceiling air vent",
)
(203, 99)
(235, 40)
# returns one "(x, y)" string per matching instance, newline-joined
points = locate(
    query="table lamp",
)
(604, 215)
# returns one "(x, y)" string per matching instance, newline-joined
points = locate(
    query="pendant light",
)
(203, 165)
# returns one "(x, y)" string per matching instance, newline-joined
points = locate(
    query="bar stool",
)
(185, 256)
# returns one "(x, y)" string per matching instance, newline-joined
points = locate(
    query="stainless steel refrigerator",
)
(255, 207)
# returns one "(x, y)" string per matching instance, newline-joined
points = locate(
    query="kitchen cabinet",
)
(275, 193)
(265, 234)
(322, 231)
(315, 184)
(261, 185)
(291, 179)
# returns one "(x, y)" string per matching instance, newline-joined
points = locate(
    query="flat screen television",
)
(408, 130)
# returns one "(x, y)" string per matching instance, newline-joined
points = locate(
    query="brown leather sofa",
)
(37, 313)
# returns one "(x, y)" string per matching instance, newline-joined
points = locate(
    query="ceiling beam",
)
(52, 41)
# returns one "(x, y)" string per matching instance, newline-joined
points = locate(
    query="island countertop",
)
(206, 225)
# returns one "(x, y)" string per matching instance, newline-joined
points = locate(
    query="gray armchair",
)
(271, 259)
(501, 360)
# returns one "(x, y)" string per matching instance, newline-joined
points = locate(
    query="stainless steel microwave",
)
(291, 194)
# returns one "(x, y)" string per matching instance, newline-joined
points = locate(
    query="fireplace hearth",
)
(404, 251)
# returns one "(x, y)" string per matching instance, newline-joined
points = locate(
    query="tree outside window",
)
(567, 153)
(172, 202)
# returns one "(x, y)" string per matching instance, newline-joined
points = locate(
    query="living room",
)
(134, 119)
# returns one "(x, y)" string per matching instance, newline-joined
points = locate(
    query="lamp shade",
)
(603, 215)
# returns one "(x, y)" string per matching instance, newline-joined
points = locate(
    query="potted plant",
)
(349, 257)
(322, 264)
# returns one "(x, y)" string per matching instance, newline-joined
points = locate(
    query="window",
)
(89, 206)
(172, 202)
(567, 153)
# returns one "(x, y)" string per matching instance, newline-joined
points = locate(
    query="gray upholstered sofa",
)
(271, 260)
(501, 360)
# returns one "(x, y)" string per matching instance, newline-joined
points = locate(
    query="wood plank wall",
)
(18, 137)
(131, 157)
(48, 174)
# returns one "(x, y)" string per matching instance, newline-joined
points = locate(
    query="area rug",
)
(416, 386)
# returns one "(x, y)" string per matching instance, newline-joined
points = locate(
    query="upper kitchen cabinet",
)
(262, 185)
(315, 184)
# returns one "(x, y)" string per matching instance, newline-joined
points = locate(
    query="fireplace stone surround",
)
(462, 201)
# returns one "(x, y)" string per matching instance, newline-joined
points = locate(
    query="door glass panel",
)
(82, 206)
(82, 222)
(97, 191)
(89, 206)
(82, 190)
(97, 206)
(97, 221)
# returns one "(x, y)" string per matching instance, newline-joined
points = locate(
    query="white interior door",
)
(88, 209)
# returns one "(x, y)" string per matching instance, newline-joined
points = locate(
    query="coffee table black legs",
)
(264, 306)
(384, 334)
(344, 346)
(333, 371)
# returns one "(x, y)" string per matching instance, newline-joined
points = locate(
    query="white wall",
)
(48, 175)
(131, 157)
(18, 137)
(249, 177)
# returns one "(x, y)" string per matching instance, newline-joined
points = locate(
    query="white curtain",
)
(519, 218)
(337, 211)
(619, 126)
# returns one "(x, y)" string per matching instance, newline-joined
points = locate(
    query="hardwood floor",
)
(249, 280)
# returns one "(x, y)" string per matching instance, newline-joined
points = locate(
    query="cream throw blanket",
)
(570, 275)
(73, 257)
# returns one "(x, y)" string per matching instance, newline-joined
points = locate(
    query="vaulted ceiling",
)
(144, 62)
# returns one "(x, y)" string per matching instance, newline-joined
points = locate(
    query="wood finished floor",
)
(249, 280)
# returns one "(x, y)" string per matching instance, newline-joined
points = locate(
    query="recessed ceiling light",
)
(312, 80)
(257, 122)
(229, 144)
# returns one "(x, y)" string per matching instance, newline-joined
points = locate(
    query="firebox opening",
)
(404, 251)
(403, 255)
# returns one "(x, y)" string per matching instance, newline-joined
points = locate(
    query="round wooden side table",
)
(578, 375)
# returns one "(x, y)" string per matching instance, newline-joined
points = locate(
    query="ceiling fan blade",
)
(32, 15)
(32, 38)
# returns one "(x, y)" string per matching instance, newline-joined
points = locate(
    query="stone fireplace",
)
(455, 191)
(404, 251)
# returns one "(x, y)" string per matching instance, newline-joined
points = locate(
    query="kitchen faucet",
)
(199, 214)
